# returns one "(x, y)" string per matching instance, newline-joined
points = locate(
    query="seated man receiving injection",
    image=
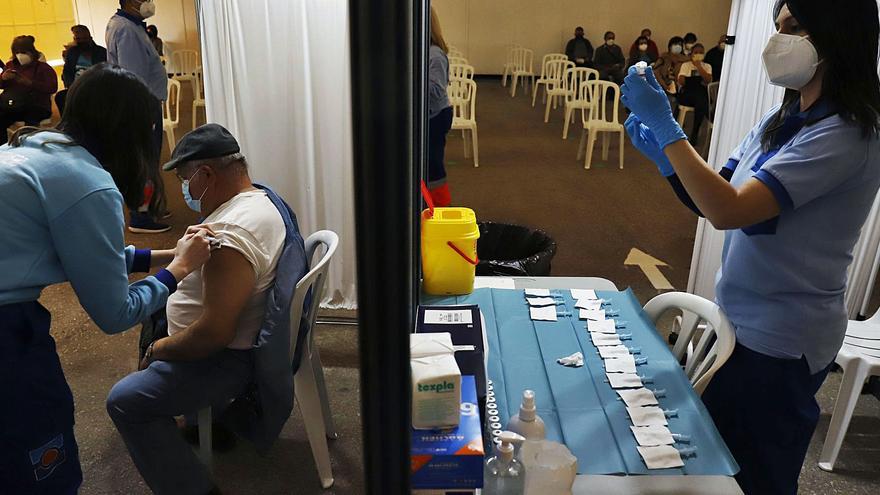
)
(214, 317)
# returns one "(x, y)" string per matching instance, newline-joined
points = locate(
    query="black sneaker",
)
(141, 223)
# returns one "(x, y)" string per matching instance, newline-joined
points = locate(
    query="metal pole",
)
(385, 211)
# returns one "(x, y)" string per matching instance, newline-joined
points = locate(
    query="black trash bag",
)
(513, 250)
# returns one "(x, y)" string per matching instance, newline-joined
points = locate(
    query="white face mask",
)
(722, 46)
(790, 61)
(147, 9)
(676, 49)
(609, 42)
(643, 47)
(24, 58)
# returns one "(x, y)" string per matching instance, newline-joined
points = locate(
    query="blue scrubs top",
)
(62, 221)
(782, 282)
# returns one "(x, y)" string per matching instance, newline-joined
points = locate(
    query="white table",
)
(587, 484)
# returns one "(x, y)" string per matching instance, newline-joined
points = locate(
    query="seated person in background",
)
(579, 49)
(78, 56)
(668, 65)
(715, 58)
(693, 77)
(28, 85)
(690, 40)
(153, 34)
(640, 54)
(213, 318)
(652, 47)
(610, 61)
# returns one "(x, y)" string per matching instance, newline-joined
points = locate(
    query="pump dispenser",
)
(527, 423)
(504, 474)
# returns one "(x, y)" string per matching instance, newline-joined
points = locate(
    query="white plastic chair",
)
(171, 112)
(309, 385)
(524, 69)
(683, 112)
(457, 61)
(575, 97)
(600, 118)
(198, 96)
(510, 64)
(452, 51)
(549, 76)
(461, 71)
(710, 122)
(556, 89)
(715, 344)
(184, 64)
(860, 359)
(463, 97)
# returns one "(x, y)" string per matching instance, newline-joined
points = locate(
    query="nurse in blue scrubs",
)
(792, 200)
(62, 193)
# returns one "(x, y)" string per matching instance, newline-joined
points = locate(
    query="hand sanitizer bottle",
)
(527, 423)
(504, 474)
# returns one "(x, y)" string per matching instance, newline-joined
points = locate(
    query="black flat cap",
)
(207, 141)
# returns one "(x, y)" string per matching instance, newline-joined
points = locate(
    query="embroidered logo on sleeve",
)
(48, 457)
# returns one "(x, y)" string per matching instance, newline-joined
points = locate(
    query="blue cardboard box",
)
(451, 458)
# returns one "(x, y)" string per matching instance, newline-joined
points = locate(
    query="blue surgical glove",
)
(648, 101)
(643, 139)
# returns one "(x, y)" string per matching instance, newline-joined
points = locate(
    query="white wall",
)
(483, 28)
(176, 20)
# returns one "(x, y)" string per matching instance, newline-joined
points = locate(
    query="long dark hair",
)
(110, 113)
(847, 42)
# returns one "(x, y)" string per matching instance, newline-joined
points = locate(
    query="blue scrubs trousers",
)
(38, 452)
(765, 409)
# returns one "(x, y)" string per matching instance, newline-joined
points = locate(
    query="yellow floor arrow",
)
(649, 265)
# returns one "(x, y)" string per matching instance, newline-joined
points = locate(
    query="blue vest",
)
(260, 414)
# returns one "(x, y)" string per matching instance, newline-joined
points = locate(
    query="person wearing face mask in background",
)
(609, 60)
(129, 46)
(640, 54)
(690, 40)
(667, 67)
(579, 49)
(207, 357)
(78, 56)
(652, 49)
(792, 199)
(715, 58)
(28, 85)
(693, 79)
(153, 33)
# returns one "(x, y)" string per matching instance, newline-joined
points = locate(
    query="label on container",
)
(449, 317)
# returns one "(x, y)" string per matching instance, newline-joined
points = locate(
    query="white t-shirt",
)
(250, 224)
(689, 69)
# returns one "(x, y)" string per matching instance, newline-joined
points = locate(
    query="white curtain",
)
(277, 75)
(745, 96)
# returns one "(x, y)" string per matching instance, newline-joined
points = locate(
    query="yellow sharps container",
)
(449, 250)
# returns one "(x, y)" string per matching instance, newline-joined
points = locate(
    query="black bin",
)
(513, 250)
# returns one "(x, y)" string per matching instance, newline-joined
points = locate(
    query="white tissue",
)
(578, 294)
(547, 313)
(639, 397)
(624, 380)
(622, 364)
(652, 436)
(537, 292)
(576, 360)
(604, 339)
(541, 301)
(647, 416)
(605, 326)
(592, 314)
(661, 457)
(607, 352)
(589, 304)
